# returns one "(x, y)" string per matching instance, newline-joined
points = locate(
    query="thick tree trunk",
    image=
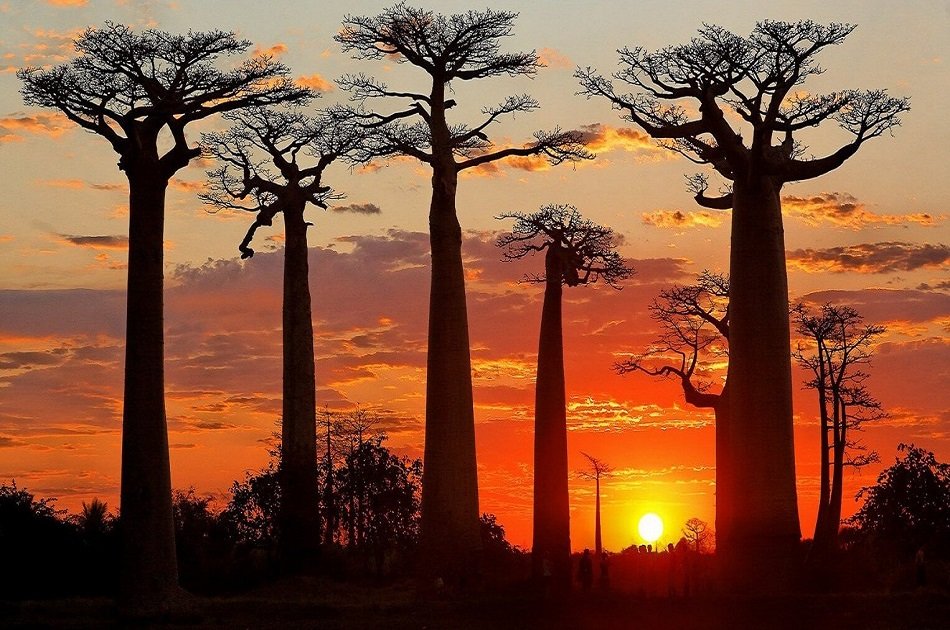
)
(149, 570)
(299, 505)
(762, 552)
(552, 514)
(450, 530)
(725, 475)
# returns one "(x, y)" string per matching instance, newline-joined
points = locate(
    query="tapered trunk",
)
(837, 479)
(552, 515)
(725, 475)
(762, 552)
(450, 529)
(329, 496)
(821, 543)
(149, 569)
(299, 506)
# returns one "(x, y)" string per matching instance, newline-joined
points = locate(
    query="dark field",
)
(324, 604)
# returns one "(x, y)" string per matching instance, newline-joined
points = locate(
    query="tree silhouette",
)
(694, 331)
(576, 252)
(458, 47)
(696, 531)
(598, 469)
(838, 344)
(754, 80)
(909, 506)
(272, 161)
(129, 87)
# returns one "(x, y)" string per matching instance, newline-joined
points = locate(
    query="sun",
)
(650, 527)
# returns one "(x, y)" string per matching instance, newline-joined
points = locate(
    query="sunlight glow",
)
(650, 527)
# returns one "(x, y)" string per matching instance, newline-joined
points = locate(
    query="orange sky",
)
(872, 235)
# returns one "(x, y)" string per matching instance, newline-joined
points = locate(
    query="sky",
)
(873, 235)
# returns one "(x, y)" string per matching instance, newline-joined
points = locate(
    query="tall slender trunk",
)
(299, 506)
(552, 514)
(329, 498)
(450, 530)
(821, 543)
(837, 480)
(762, 554)
(149, 570)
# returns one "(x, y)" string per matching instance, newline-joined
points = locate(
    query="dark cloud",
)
(882, 257)
(887, 305)
(97, 242)
(358, 208)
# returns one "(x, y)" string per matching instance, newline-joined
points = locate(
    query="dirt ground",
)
(323, 604)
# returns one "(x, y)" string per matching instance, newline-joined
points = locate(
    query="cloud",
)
(315, 82)
(883, 306)
(276, 50)
(554, 59)
(844, 210)
(601, 138)
(186, 186)
(678, 219)
(78, 184)
(358, 208)
(884, 257)
(15, 126)
(67, 3)
(97, 242)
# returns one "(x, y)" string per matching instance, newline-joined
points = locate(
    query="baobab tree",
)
(459, 47)
(696, 532)
(272, 162)
(577, 252)
(130, 88)
(753, 81)
(836, 345)
(598, 468)
(694, 332)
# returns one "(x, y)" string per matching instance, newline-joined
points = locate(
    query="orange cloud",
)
(67, 3)
(185, 186)
(844, 210)
(14, 126)
(604, 138)
(274, 51)
(678, 219)
(554, 59)
(77, 184)
(883, 257)
(315, 82)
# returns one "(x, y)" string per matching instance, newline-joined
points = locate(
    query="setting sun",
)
(650, 527)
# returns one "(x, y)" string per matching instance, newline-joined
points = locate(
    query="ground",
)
(313, 603)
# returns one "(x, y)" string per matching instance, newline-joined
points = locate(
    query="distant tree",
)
(252, 511)
(910, 504)
(576, 252)
(94, 521)
(694, 331)
(272, 161)
(130, 87)
(696, 532)
(837, 345)
(598, 469)
(458, 47)
(755, 81)
(381, 492)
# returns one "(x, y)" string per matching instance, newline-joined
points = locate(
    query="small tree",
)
(694, 331)
(446, 48)
(696, 531)
(838, 346)
(753, 81)
(577, 252)
(128, 88)
(598, 469)
(286, 139)
(910, 504)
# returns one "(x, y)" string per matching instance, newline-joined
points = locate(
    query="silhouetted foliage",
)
(697, 533)
(252, 512)
(909, 506)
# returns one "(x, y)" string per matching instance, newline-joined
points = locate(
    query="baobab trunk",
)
(725, 475)
(598, 542)
(552, 525)
(299, 505)
(149, 575)
(821, 542)
(762, 552)
(450, 478)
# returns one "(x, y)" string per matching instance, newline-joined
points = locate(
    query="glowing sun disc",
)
(650, 527)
